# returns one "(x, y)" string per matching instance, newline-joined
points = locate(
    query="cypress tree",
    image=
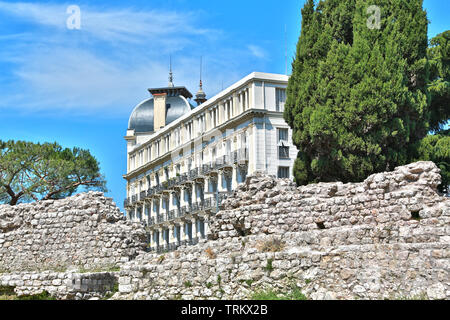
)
(357, 99)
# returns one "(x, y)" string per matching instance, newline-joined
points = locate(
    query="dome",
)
(141, 119)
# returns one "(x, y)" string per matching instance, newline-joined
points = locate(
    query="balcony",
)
(183, 178)
(195, 207)
(171, 184)
(160, 218)
(158, 189)
(241, 155)
(206, 169)
(193, 174)
(171, 215)
(150, 192)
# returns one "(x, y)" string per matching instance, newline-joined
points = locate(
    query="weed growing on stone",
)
(45, 295)
(113, 291)
(294, 294)
(269, 266)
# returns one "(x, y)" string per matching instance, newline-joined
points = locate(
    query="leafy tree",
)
(436, 148)
(439, 85)
(358, 100)
(30, 171)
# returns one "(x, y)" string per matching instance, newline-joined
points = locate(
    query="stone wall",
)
(85, 232)
(387, 237)
(62, 285)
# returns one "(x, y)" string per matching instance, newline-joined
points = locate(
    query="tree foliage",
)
(436, 148)
(359, 99)
(30, 171)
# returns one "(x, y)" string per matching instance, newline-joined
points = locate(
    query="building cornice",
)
(217, 99)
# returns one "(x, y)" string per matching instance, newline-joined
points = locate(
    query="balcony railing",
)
(159, 189)
(193, 174)
(242, 155)
(171, 183)
(206, 169)
(183, 178)
(160, 218)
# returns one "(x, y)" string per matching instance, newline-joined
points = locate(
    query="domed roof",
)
(141, 119)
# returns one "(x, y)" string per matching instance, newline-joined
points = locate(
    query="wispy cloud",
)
(121, 24)
(109, 63)
(257, 51)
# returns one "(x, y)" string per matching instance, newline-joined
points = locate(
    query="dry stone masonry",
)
(87, 231)
(387, 237)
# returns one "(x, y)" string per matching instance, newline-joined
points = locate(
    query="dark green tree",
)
(30, 171)
(436, 148)
(439, 84)
(358, 98)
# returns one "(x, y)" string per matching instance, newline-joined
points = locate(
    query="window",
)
(281, 99)
(283, 152)
(132, 162)
(157, 148)
(283, 172)
(201, 124)
(167, 143)
(283, 135)
(188, 132)
(177, 137)
(141, 158)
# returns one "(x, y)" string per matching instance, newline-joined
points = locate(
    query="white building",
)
(183, 160)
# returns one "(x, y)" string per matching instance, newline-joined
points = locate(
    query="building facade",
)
(184, 160)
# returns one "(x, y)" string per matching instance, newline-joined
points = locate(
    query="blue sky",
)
(78, 87)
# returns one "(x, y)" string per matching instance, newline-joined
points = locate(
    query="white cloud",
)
(111, 25)
(257, 51)
(108, 64)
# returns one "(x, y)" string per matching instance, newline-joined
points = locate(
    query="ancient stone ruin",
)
(385, 238)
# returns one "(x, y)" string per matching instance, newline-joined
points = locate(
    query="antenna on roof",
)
(285, 47)
(171, 74)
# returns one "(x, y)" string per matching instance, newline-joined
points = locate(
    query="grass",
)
(188, 284)
(269, 266)
(294, 294)
(41, 296)
(113, 291)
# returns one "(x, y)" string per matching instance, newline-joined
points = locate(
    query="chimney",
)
(159, 110)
